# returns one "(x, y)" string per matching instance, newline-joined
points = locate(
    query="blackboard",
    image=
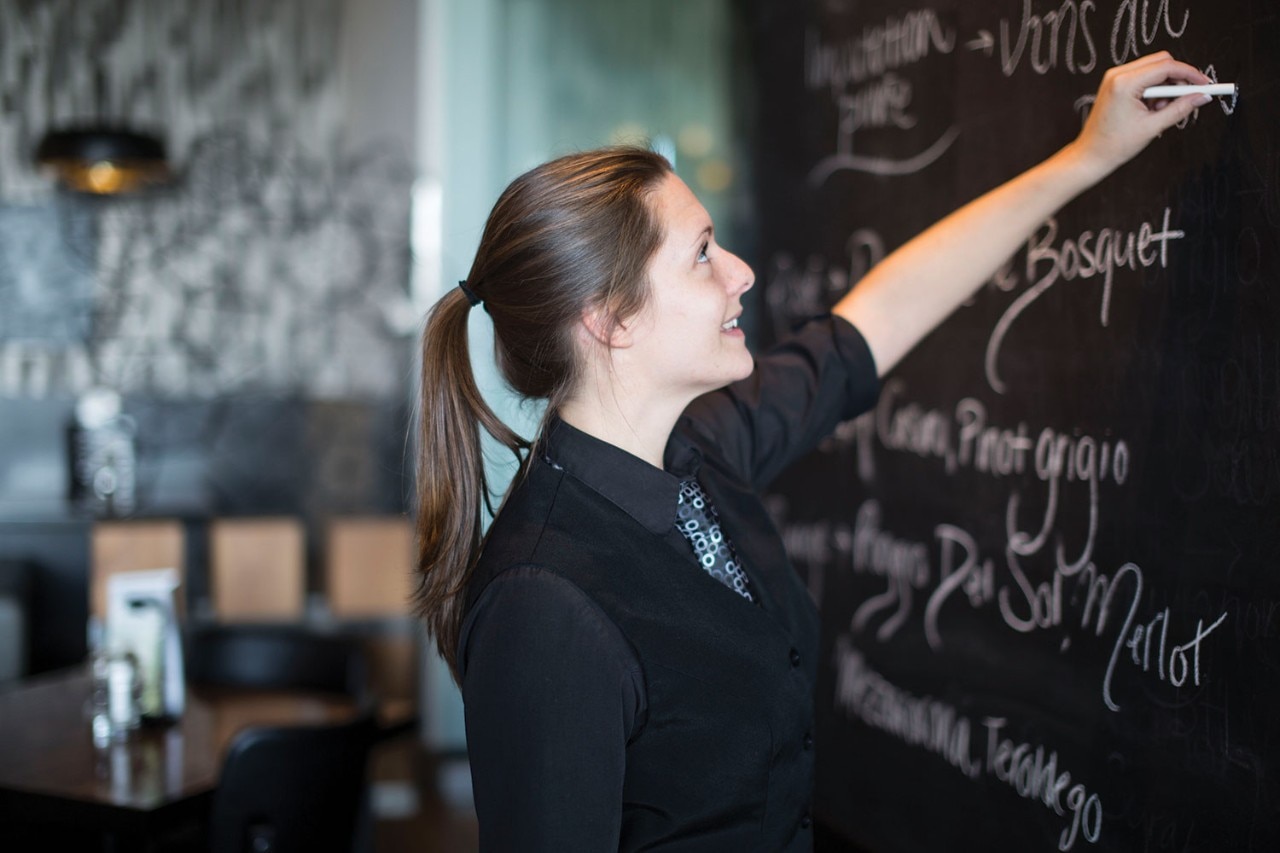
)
(1048, 562)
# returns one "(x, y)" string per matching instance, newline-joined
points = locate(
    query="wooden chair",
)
(368, 576)
(368, 567)
(257, 569)
(126, 546)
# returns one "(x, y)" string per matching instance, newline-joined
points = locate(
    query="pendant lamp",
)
(103, 160)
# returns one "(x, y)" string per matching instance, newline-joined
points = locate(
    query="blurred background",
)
(237, 338)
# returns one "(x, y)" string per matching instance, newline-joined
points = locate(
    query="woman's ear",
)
(606, 329)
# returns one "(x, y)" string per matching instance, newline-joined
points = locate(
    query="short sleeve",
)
(552, 692)
(800, 391)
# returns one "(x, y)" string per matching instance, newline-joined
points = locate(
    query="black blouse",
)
(617, 697)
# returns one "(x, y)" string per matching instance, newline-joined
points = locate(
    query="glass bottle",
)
(115, 689)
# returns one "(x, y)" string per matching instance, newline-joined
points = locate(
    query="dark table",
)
(136, 791)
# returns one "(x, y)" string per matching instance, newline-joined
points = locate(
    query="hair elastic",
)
(471, 295)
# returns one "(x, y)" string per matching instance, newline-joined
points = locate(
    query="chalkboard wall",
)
(1048, 562)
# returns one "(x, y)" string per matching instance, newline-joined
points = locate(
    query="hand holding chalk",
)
(1152, 92)
(1121, 123)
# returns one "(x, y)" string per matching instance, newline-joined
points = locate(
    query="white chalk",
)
(1179, 91)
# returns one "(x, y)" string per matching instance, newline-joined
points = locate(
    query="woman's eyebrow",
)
(707, 231)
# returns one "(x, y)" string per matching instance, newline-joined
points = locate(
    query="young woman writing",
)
(636, 655)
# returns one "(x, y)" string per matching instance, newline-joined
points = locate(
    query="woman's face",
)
(687, 335)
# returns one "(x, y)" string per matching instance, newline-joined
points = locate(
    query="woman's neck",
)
(637, 427)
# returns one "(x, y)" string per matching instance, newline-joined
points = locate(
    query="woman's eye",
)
(702, 253)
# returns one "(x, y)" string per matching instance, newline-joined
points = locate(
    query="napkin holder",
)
(142, 618)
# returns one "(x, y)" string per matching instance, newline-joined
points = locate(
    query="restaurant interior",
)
(221, 223)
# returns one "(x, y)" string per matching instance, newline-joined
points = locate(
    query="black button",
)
(806, 822)
(795, 657)
(808, 741)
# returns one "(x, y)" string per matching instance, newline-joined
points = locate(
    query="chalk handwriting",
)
(846, 160)
(964, 437)
(861, 76)
(1082, 458)
(1033, 771)
(1138, 23)
(975, 577)
(1034, 775)
(1103, 604)
(1062, 37)
(880, 104)
(902, 563)
(1090, 254)
(796, 291)
(1045, 578)
(921, 721)
(876, 50)
(1059, 36)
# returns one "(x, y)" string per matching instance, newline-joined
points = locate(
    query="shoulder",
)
(531, 612)
(535, 638)
(535, 595)
(553, 520)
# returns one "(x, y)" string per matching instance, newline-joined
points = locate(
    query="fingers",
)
(1121, 123)
(1175, 111)
(1165, 70)
(1130, 80)
(1127, 82)
(1122, 74)
(1144, 61)
(1160, 69)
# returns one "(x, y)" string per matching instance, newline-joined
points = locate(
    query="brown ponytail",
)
(571, 234)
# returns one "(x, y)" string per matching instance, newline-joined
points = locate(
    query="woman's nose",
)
(741, 278)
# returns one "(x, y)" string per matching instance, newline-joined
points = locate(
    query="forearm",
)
(914, 289)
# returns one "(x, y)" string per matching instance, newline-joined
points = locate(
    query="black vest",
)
(724, 760)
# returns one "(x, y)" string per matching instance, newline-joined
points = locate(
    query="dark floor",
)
(425, 806)
(422, 802)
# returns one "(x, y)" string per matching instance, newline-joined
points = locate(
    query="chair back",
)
(257, 569)
(285, 657)
(128, 546)
(293, 789)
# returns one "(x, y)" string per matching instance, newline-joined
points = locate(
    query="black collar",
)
(647, 494)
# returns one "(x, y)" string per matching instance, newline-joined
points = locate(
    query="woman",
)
(636, 656)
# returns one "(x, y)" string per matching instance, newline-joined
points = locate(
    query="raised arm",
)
(914, 289)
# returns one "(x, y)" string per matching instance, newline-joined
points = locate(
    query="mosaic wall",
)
(277, 262)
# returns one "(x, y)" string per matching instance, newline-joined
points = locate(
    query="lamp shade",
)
(103, 160)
